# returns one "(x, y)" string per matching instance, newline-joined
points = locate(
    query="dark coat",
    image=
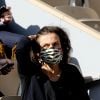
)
(70, 86)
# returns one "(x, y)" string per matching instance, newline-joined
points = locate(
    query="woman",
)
(48, 74)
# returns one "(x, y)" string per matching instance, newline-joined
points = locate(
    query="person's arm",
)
(25, 65)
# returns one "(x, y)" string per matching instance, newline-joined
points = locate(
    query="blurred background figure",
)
(6, 65)
(5, 14)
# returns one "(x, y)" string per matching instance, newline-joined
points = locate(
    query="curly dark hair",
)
(64, 39)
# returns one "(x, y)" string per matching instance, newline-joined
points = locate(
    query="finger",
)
(46, 67)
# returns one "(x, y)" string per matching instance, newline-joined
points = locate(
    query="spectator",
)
(5, 16)
(8, 23)
(48, 76)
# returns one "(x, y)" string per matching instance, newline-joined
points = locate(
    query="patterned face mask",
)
(51, 55)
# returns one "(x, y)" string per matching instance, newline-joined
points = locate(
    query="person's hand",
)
(46, 68)
(7, 69)
(32, 37)
(6, 16)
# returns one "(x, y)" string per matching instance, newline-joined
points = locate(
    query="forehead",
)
(48, 38)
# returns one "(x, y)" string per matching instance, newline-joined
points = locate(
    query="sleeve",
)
(25, 66)
(10, 39)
